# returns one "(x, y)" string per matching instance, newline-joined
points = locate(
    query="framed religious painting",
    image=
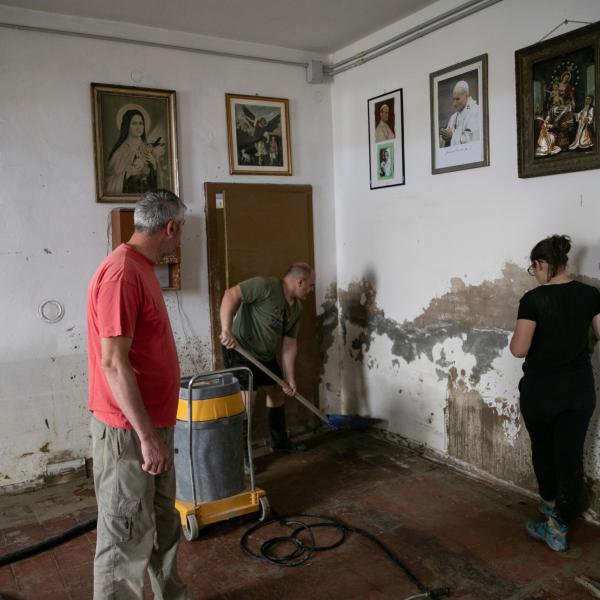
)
(386, 140)
(258, 135)
(557, 92)
(135, 141)
(459, 116)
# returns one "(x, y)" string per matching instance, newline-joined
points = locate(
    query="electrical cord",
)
(301, 551)
(183, 319)
(65, 536)
(108, 233)
(269, 550)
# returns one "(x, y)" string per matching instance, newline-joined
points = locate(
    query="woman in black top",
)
(557, 389)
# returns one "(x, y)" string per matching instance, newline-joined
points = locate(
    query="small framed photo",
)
(386, 140)
(258, 135)
(459, 116)
(135, 141)
(557, 90)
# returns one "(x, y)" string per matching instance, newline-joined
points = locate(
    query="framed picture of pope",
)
(135, 141)
(459, 116)
(386, 140)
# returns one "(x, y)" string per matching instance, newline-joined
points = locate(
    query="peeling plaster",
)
(476, 434)
(481, 414)
(479, 315)
(327, 324)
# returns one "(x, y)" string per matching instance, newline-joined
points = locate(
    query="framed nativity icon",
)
(135, 141)
(557, 91)
(386, 140)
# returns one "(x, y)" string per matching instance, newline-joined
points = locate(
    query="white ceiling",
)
(314, 25)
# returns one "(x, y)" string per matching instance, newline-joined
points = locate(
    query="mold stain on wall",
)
(481, 316)
(327, 324)
(476, 434)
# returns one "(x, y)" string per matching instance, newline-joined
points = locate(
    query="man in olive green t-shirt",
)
(262, 315)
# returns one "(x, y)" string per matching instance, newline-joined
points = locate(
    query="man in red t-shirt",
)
(134, 390)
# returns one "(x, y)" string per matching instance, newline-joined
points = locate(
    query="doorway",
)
(261, 229)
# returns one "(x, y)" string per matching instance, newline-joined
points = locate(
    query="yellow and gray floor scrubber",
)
(209, 452)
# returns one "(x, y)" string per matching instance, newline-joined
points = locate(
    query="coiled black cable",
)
(303, 550)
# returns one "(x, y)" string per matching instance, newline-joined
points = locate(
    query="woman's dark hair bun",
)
(561, 244)
(554, 251)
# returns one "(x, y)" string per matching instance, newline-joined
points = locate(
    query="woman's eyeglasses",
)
(531, 269)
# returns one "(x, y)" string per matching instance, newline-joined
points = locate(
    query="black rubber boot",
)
(280, 441)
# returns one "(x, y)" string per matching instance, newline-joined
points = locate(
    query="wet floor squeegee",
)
(335, 421)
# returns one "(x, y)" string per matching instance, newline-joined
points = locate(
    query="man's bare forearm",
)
(126, 392)
(289, 351)
(124, 387)
(232, 298)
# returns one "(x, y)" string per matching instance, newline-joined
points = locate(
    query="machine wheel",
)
(265, 508)
(192, 530)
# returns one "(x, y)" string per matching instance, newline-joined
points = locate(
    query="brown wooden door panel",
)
(260, 230)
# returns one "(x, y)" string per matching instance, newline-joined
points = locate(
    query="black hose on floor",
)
(61, 538)
(301, 551)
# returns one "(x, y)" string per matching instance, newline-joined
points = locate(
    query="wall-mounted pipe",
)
(122, 40)
(410, 35)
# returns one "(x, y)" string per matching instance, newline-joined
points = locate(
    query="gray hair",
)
(299, 270)
(462, 86)
(155, 209)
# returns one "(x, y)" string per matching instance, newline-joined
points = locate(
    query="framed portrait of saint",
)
(135, 141)
(386, 140)
(459, 116)
(258, 135)
(557, 91)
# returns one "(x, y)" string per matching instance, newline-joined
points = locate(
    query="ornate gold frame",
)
(138, 97)
(525, 60)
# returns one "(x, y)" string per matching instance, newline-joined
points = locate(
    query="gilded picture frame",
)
(557, 95)
(135, 141)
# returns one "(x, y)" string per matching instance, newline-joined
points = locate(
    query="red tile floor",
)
(449, 529)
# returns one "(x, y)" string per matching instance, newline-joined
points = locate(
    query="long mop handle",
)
(281, 382)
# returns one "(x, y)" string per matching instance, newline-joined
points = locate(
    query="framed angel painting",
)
(258, 132)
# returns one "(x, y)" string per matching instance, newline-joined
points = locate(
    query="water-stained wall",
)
(54, 233)
(464, 372)
(430, 273)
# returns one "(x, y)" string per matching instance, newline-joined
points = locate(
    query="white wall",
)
(54, 234)
(413, 240)
(428, 274)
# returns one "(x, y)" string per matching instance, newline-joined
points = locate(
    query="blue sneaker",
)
(545, 509)
(554, 535)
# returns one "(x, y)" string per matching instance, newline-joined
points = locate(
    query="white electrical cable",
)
(183, 318)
